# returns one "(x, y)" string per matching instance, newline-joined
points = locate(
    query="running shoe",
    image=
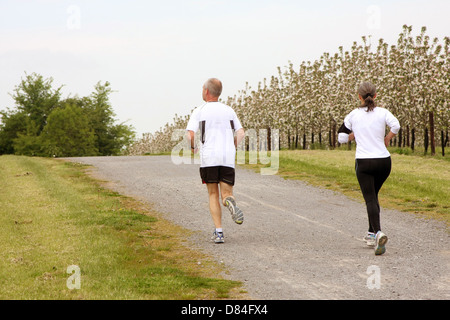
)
(236, 214)
(370, 239)
(381, 240)
(218, 237)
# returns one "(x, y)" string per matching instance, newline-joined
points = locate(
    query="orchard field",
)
(308, 103)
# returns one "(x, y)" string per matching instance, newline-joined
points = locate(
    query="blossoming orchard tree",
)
(306, 104)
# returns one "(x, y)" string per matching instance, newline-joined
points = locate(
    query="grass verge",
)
(53, 215)
(417, 184)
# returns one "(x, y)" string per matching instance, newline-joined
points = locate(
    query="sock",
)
(219, 230)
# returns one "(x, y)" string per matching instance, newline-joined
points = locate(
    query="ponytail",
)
(369, 103)
(367, 91)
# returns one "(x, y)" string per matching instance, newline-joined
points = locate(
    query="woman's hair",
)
(367, 91)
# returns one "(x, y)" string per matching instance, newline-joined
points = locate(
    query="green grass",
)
(419, 184)
(52, 215)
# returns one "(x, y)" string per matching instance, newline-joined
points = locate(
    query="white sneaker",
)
(217, 237)
(370, 239)
(236, 214)
(381, 240)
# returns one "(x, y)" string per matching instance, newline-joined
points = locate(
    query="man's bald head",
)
(214, 86)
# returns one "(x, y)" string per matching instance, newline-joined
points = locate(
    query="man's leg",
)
(214, 204)
(226, 191)
(229, 201)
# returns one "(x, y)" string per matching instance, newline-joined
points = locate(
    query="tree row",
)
(42, 123)
(308, 103)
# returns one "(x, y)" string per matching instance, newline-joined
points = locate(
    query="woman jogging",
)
(367, 125)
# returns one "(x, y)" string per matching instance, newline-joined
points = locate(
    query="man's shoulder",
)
(197, 110)
(212, 107)
(227, 107)
(218, 104)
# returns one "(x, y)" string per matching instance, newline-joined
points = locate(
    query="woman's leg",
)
(366, 181)
(382, 168)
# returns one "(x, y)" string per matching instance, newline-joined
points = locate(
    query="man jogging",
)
(218, 124)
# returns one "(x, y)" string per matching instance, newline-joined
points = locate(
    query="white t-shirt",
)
(370, 129)
(217, 123)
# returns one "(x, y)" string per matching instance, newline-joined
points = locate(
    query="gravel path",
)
(297, 241)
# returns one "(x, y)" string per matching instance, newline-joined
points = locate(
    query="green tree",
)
(28, 142)
(12, 124)
(36, 97)
(68, 134)
(110, 137)
(22, 129)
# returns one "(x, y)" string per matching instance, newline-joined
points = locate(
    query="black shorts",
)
(217, 174)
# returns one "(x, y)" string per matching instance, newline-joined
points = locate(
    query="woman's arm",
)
(388, 138)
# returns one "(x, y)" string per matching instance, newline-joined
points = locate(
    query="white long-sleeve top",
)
(370, 129)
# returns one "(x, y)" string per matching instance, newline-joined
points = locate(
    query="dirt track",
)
(297, 241)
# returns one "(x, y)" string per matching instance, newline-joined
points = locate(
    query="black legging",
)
(371, 174)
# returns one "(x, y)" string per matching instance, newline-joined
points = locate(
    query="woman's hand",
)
(351, 137)
(388, 138)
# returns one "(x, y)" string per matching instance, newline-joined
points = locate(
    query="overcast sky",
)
(158, 54)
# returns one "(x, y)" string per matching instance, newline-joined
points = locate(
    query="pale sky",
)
(158, 54)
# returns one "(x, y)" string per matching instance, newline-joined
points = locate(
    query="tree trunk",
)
(407, 136)
(330, 143)
(425, 140)
(442, 143)
(432, 140)
(413, 138)
(334, 135)
(289, 140)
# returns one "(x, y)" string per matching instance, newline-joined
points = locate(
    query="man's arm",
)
(190, 135)
(240, 134)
